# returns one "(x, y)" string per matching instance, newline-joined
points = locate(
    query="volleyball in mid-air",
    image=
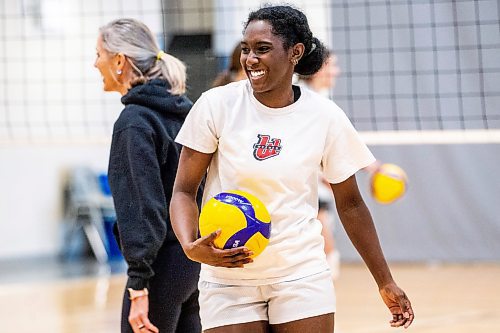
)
(242, 218)
(388, 183)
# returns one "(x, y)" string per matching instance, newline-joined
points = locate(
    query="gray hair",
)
(134, 39)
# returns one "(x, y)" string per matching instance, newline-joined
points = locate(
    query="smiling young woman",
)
(307, 134)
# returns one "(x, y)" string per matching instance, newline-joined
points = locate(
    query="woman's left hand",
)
(138, 316)
(399, 305)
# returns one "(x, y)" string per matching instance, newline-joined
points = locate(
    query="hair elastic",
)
(313, 47)
(159, 55)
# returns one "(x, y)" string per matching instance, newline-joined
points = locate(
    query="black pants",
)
(173, 294)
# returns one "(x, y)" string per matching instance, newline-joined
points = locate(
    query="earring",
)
(119, 71)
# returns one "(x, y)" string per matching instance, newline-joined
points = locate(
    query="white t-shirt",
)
(275, 154)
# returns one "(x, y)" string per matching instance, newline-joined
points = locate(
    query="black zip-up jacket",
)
(142, 168)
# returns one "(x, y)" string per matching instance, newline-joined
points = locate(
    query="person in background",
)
(322, 82)
(234, 71)
(161, 292)
(325, 79)
(272, 139)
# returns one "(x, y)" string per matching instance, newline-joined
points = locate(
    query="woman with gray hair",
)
(162, 293)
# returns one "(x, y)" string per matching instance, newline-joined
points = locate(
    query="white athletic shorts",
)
(277, 303)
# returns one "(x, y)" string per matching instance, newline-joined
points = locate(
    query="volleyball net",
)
(419, 71)
(413, 72)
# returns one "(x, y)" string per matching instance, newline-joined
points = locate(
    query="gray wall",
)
(451, 211)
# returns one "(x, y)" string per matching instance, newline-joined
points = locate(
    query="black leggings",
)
(173, 294)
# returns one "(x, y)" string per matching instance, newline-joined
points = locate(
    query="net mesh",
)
(418, 65)
(49, 89)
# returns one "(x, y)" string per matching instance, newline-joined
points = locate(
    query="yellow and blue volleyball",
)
(242, 218)
(388, 183)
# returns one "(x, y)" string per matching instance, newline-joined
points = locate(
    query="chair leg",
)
(96, 243)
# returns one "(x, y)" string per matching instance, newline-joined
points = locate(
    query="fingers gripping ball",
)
(388, 183)
(242, 218)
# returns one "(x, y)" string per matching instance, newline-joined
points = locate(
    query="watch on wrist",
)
(133, 294)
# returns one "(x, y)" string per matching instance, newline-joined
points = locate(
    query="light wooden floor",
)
(449, 298)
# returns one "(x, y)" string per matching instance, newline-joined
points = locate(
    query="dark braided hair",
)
(291, 26)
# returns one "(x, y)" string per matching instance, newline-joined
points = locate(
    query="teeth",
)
(256, 73)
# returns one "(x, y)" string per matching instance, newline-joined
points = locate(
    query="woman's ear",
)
(119, 61)
(297, 52)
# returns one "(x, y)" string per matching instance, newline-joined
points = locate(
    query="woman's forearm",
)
(184, 216)
(360, 228)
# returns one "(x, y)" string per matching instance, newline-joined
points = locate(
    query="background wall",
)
(31, 196)
(450, 212)
(420, 66)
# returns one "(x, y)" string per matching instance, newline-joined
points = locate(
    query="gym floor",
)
(47, 296)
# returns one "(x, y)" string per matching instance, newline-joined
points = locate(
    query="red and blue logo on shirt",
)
(266, 147)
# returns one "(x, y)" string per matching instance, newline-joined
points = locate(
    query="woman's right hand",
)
(203, 250)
